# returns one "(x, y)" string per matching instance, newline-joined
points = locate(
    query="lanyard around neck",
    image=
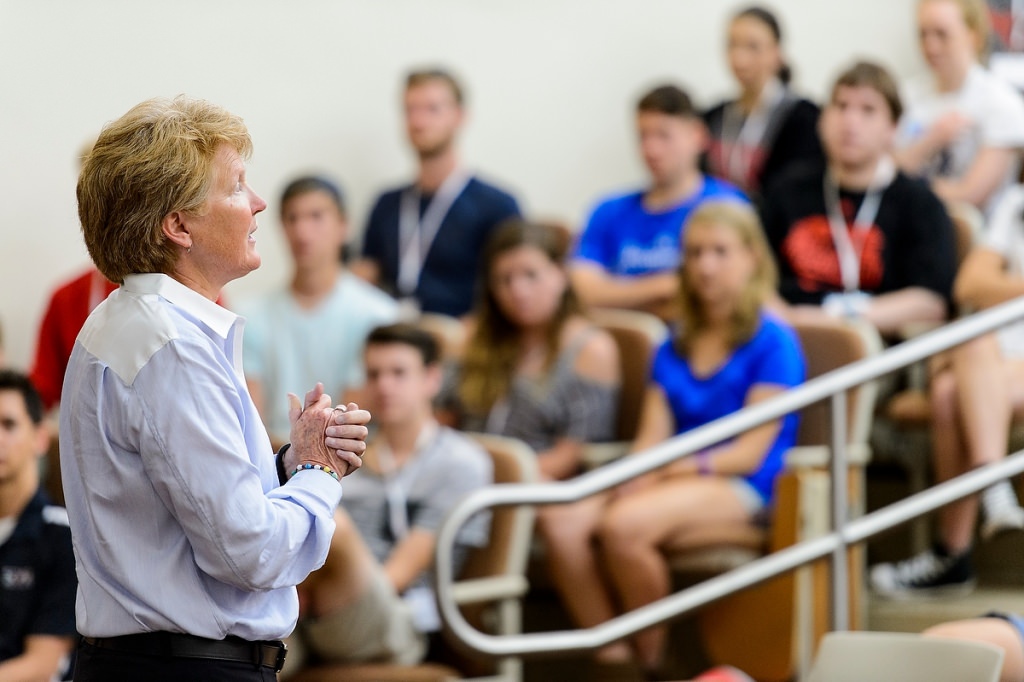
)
(416, 234)
(398, 482)
(741, 135)
(849, 256)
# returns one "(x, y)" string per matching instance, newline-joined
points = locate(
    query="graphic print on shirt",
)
(811, 253)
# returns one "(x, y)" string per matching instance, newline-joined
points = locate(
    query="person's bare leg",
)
(994, 631)
(568, 533)
(949, 458)
(634, 529)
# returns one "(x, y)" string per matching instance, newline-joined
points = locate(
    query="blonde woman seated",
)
(535, 368)
(729, 353)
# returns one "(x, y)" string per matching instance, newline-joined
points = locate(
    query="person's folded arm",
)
(410, 557)
(892, 311)
(984, 177)
(983, 281)
(596, 287)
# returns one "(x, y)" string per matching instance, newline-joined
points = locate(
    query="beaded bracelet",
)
(318, 467)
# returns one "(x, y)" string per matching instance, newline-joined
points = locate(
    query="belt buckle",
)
(280, 655)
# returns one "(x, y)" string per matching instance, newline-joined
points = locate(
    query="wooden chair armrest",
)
(494, 588)
(818, 456)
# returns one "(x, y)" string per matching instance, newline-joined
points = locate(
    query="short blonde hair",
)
(741, 219)
(154, 160)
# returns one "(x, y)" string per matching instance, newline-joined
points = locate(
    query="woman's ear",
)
(175, 229)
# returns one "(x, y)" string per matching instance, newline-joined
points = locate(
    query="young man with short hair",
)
(423, 241)
(628, 252)
(859, 238)
(313, 329)
(37, 563)
(372, 600)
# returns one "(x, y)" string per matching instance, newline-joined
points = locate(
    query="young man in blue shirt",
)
(628, 253)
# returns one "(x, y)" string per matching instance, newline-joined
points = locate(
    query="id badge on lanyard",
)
(416, 234)
(743, 138)
(848, 254)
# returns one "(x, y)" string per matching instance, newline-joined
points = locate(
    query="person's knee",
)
(944, 397)
(566, 525)
(621, 528)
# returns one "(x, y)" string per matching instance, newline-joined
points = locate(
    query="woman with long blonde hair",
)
(728, 353)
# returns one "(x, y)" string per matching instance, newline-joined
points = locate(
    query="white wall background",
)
(551, 87)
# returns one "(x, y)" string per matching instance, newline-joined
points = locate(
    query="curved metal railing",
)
(831, 386)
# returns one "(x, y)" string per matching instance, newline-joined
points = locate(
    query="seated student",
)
(729, 353)
(372, 600)
(535, 368)
(768, 128)
(1004, 630)
(858, 237)
(629, 249)
(37, 592)
(974, 398)
(423, 241)
(313, 329)
(963, 126)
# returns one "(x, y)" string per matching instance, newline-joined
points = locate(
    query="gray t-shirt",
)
(446, 469)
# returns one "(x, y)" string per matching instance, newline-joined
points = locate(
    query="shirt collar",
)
(216, 317)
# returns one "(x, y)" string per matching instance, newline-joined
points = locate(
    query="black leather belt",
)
(269, 654)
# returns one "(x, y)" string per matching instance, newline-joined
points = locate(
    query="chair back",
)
(450, 333)
(508, 546)
(902, 657)
(827, 346)
(637, 335)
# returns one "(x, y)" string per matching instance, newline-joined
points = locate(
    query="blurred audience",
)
(535, 368)
(975, 393)
(759, 135)
(373, 601)
(874, 243)
(423, 241)
(629, 249)
(963, 126)
(728, 353)
(37, 564)
(313, 329)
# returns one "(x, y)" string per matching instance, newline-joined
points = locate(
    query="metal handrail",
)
(832, 385)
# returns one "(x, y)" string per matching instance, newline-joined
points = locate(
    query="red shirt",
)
(69, 305)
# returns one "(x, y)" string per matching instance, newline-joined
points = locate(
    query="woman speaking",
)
(189, 536)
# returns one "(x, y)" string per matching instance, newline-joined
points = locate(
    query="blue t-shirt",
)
(448, 280)
(773, 356)
(629, 240)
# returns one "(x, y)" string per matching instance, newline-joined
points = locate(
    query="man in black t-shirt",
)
(423, 241)
(858, 238)
(37, 564)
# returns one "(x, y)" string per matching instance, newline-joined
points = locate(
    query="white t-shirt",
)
(289, 349)
(1005, 236)
(995, 107)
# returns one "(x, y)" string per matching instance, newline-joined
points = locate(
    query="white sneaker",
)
(1000, 510)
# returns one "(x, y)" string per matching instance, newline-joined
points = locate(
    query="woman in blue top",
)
(729, 354)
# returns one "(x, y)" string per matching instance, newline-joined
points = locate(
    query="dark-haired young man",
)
(629, 250)
(423, 241)
(313, 329)
(37, 563)
(372, 599)
(857, 237)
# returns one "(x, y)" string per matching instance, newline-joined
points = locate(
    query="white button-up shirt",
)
(178, 520)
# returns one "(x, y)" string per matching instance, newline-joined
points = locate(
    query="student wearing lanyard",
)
(757, 136)
(856, 237)
(372, 600)
(422, 241)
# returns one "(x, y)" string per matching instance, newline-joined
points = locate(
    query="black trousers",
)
(105, 665)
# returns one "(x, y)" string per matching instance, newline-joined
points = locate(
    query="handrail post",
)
(840, 511)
